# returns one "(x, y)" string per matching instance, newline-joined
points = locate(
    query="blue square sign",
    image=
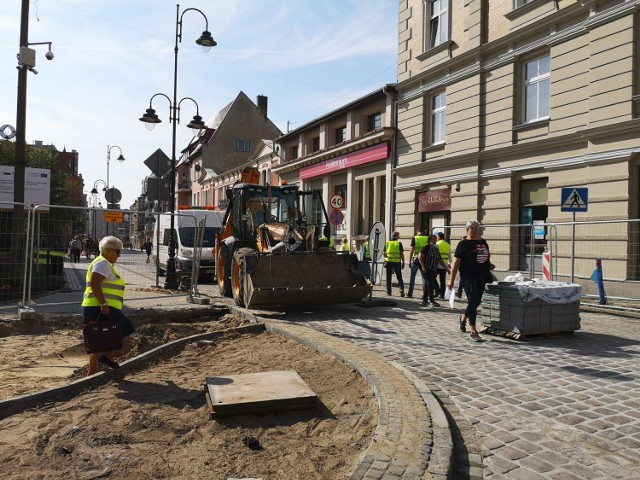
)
(574, 199)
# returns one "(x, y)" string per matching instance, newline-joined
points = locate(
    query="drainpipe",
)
(390, 91)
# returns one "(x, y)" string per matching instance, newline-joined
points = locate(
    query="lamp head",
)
(121, 158)
(150, 119)
(94, 191)
(206, 41)
(196, 124)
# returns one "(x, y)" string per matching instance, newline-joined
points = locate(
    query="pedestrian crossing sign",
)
(574, 199)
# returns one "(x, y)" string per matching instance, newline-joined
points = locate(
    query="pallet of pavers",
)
(531, 309)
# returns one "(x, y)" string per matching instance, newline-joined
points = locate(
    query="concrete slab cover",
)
(258, 392)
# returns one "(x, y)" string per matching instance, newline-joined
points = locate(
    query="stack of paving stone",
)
(504, 310)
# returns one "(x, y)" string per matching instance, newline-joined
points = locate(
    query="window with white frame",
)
(438, 118)
(436, 23)
(537, 78)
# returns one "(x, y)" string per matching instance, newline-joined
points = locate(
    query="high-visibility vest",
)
(325, 239)
(113, 290)
(367, 255)
(346, 247)
(393, 251)
(445, 250)
(419, 241)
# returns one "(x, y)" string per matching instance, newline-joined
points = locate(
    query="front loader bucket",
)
(309, 278)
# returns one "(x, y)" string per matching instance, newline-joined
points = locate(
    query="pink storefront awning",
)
(368, 155)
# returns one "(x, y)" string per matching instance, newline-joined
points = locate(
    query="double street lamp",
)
(150, 119)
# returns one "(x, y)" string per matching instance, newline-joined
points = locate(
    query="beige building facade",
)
(504, 104)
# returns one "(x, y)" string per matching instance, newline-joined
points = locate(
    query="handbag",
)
(103, 335)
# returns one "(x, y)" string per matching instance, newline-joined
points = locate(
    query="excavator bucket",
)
(318, 278)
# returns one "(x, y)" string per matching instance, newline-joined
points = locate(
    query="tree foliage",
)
(62, 183)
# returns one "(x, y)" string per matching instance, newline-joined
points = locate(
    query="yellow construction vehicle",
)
(274, 249)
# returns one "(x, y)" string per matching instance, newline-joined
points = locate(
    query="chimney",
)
(262, 105)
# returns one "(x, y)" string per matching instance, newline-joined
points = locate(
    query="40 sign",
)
(336, 201)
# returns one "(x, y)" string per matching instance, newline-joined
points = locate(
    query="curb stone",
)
(412, 439)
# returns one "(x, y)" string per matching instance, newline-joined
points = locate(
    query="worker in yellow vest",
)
(345, 245)
(445, 251)
(394, 261)
(104, 297)
(417, 243)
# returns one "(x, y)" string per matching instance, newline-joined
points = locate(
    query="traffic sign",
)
(113, 217)
(336, 217)
(574, 199)
(336, 201)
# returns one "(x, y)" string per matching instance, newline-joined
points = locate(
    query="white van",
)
(185, 222)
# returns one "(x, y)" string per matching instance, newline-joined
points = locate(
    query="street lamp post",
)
(120, 159)
(150, 118)
(110, 192)
(94, 193)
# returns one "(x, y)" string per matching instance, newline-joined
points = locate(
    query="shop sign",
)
(361, 157)
(435, 200)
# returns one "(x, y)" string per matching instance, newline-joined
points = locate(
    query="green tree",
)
(39, 157)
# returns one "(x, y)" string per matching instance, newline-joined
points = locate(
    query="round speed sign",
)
(336, 201)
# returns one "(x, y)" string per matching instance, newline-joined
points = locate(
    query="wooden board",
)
(258, 393)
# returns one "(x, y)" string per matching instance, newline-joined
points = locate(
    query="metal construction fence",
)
(41, 263)
(572, 249)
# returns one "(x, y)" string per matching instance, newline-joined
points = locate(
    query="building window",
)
(315, 144)
(537, 79)
(519, 3)
(436, 23)
(438, 118)
(294, 152)
(241, 145)
(374, 122)
(341, 134)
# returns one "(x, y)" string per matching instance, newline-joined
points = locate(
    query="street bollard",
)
(597, 277)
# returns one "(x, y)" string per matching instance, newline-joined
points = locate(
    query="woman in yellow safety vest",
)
(104, 296)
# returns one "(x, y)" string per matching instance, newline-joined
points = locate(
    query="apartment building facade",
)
(347, 152)
(502, 104)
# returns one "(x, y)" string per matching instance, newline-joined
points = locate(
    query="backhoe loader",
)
(274, 250)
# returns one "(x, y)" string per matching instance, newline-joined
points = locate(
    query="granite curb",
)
(412, 439)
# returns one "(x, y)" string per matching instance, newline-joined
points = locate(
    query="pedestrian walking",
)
(148, 246)
(104, 296)
(445, 249)
(418, 241)
(429, 260)
(75, 247)
(394, 261)
(472, 259)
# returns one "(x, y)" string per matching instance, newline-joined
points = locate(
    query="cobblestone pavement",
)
(565, 407)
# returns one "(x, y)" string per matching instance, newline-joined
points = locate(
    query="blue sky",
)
(307, 56)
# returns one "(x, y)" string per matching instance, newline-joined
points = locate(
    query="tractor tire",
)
(238, 272)
(223, 268)
(243, 258)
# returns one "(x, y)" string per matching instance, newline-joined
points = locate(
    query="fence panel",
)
(14, 223)
(519, 248)
(43, 266)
